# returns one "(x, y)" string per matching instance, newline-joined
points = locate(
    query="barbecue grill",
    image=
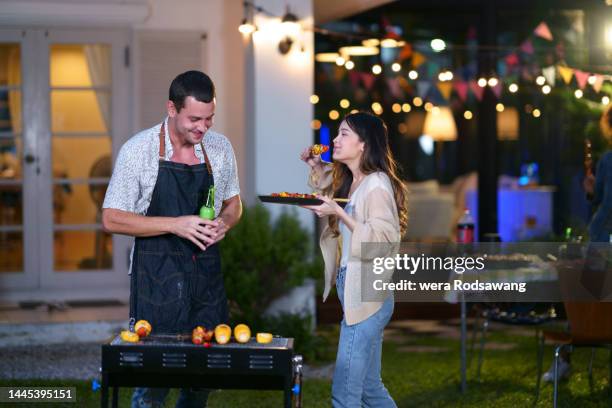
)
(173, 361)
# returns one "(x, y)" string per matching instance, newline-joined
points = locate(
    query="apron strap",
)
(162, 149)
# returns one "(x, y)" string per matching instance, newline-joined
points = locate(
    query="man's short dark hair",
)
(191, 83)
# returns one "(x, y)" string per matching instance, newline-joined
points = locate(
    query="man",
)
(161, 178)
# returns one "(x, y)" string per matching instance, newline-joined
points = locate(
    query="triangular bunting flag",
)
(497, 89)
(406, 52)
(445, 89)
(461, 87)
(339, 73)
(550, 74)
(404, 84)
(355, 79)
(394, 88)
(566, 73)
(512, 59)
(543, 31)
(418, 59)
(527, 47)
(368, 80)
(581, 78)
(476, 90)
(502, 69)
(423, 88)
(432, 69)
(599, 79)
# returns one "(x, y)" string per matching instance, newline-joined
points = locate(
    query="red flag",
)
(368, 80)
(461, 87)
(512, 59)
(476, 90)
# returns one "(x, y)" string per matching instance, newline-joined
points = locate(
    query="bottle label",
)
(465, 234)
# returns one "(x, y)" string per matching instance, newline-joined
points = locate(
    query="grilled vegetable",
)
(129, 336)
(142, 328)
(318, 149)
(242, 333)
(264, 338)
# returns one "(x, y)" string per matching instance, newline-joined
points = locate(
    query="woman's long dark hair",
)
(376, 156)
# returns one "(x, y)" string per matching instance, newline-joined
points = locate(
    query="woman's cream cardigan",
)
(377, 221)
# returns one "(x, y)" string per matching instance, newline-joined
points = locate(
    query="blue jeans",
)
(155, 397)
(357, 380)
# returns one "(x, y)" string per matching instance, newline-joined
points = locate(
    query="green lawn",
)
(427, 379)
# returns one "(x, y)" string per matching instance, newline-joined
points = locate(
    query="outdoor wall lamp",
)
(291, 28)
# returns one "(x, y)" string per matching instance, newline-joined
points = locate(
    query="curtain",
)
(100, 68)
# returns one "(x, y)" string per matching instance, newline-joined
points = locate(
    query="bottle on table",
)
(465, 228)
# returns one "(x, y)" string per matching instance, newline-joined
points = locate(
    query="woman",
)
(599, 187)
(365, 172)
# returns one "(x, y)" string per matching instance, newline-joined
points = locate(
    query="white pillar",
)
(278, 107)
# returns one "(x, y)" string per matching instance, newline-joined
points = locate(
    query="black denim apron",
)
(174, 284)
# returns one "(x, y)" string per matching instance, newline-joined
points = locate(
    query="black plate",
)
(293, 200)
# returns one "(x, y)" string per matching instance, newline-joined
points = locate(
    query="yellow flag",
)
(445, 89)
(417, 59)
(566, 73)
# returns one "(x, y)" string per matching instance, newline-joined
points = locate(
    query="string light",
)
(592, 79)
(344, 103)
(492, 82)
(315, 124)
(376, 69)
(396, 108)
(499, 107)
(396, 67)
(314, 99)
(605, 100)
(377, 108)
(340, 61)
(333, 114)
(438, 44)
(540, 80)
(413, 74)
(428, 106)
(482, 82)
(513, 88)
(536, 113)
(406, 107)
(417, 101)
(468, 115)
(349, 65)
(578, 93)
(546, 89)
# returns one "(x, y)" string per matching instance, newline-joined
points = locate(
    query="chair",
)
(590, 325)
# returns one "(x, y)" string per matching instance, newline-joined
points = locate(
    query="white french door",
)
(64, 110)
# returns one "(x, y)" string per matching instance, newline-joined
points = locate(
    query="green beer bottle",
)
(207, 211)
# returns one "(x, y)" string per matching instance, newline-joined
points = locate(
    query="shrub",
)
(262, 259)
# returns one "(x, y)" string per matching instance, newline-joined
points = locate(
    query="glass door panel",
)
(80, 79)
(11, 175)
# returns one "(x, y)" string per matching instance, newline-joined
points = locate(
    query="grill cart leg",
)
(104, 391)
(115, 397)
(296, 391)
